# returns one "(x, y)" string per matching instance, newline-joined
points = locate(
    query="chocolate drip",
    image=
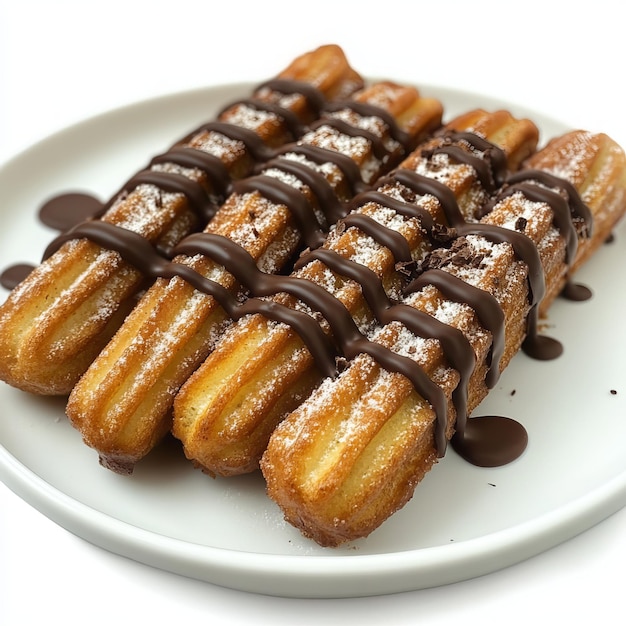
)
(313, 96)
(344, 163)
(386, 237)
(491, 441)
(538, 346)
(327, 200)
(575, 292)
(486, 307)
(535, 345)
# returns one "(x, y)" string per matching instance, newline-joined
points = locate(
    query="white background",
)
(64, 61)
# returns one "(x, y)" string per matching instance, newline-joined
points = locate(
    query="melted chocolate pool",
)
(64, 211)
(491, 441)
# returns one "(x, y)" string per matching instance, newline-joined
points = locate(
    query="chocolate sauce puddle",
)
(491, 441)
(13, 275)
(575, 292)
(64, 211)
(61, 213)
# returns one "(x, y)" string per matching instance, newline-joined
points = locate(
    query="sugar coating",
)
(369, 123)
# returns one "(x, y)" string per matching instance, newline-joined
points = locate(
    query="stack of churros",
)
(122, 403)
(56, 322)
(225, 413)
(323, 284)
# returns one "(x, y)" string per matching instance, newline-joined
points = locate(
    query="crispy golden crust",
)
(121, 405)
(55, 323)
(261, 370)
(352, 455)
(597, 171)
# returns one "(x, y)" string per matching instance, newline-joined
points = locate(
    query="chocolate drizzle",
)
(289, 118)
(203, 201)
(386, 237)
(327, 200)
(343, 338)
(196, 195)
(313, 96)
(65, 211)
(399, 206)
(318, 155)
(485, 305)
(577, 207)
(365, 109)
(562, 209)
(343, 127)
(211, 165)
(490, 165)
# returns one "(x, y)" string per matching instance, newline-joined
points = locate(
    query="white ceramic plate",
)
(464, 521)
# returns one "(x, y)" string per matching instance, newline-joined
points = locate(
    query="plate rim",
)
(271, 574)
